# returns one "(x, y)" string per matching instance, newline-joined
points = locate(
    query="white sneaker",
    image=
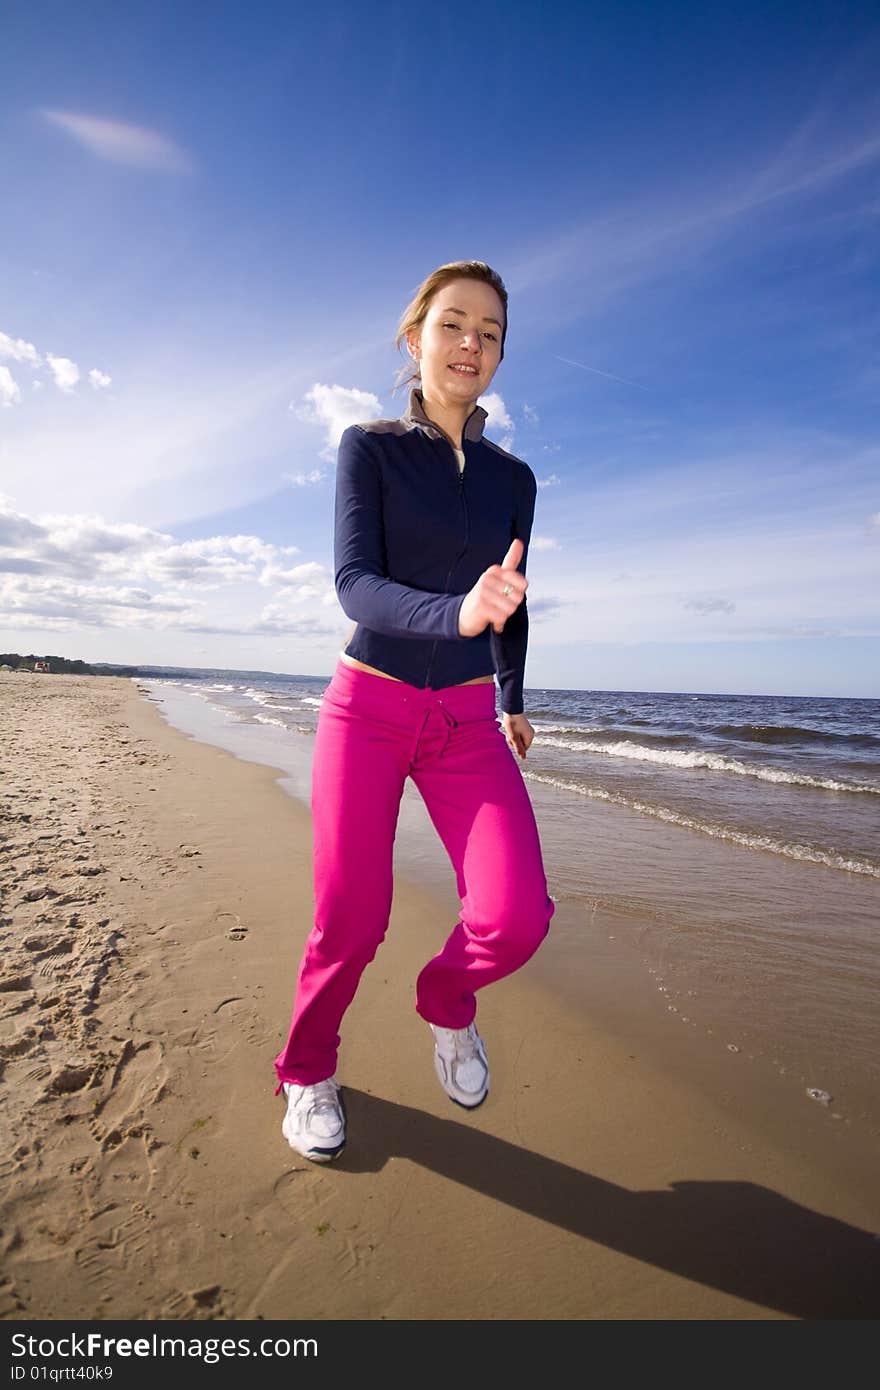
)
(461, 1064)
(315, 1121)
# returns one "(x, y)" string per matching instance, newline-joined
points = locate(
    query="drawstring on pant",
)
(449, 722)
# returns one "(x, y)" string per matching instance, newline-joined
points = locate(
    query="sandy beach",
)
(156, 894)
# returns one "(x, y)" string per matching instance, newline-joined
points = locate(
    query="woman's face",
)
(458, 345)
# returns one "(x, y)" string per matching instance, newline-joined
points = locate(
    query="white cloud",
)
(19, 350)
(874, 521)
(310, 580)
(65, 372)
(10, 392)
(544, 543)
(63, 572)
(212, 562)
(499, 419)
(335, 408)
(121, 143)
(550, 481)
(531, 414)
(709, 605)
(16, 529)
(62, 604)
(305, 479)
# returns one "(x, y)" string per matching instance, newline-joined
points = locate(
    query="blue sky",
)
(215, 216)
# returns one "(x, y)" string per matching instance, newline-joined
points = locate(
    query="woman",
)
(433, 523)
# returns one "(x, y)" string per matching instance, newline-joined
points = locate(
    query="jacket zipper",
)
(460, 472)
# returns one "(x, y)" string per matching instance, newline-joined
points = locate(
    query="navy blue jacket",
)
(413, 536)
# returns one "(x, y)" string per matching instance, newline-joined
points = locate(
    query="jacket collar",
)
(414, 417)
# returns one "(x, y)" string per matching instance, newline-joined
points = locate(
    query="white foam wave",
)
(267, 719)
(310, 700)
(806, 853)
(713, 762)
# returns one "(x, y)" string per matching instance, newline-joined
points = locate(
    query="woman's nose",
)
(473, 342)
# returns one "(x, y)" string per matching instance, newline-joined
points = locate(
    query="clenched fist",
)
(487, 602)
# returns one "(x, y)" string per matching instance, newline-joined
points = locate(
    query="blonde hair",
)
(416, 311)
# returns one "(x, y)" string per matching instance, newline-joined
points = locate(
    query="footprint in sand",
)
(115, 1236)
(245, 1022)
(300, 1191)
(11, 1301)
(210, 1302)
(136, 1084)
(236, 931)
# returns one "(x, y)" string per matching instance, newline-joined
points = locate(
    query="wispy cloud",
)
(710, 605)
(597, 372)
(121, 143)
(316, 475)
(99, 380)
(610, 253)
(727, 538)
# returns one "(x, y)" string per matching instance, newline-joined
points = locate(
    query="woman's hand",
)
(487, 602)
(518, 732)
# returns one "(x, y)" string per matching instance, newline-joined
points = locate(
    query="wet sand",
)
(156, 894)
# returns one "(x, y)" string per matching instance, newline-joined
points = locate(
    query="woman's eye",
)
(492, 336)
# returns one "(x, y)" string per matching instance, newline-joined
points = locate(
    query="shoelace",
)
(465, 1043)
(324, 1098)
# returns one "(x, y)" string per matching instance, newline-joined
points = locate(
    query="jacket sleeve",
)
(366, 593)
(509, 646)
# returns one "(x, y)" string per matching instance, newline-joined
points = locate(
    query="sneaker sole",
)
(471, 1105)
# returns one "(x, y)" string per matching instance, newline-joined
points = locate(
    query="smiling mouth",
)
(462, 370)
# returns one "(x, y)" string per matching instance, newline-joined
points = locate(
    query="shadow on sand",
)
(735, 1236)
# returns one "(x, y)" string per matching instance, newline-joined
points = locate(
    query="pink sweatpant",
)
(372, 734)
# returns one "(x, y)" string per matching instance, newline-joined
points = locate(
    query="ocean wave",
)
(610, 732)
(541, 728)
(808, 854)
(267, 719)
(790, 733)
(711, 762)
